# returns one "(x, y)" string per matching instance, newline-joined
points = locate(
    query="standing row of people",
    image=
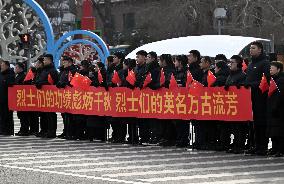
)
(213, 135)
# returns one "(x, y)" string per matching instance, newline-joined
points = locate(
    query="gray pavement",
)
(35, 160)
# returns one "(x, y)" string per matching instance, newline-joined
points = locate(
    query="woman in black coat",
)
(275, 126)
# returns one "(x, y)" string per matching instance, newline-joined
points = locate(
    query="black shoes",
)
(22, 133)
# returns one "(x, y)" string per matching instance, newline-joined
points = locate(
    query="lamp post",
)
(220, 14)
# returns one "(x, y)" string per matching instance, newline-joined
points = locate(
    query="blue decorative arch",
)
(54, 47)
(61, 50)
(46, 24)
(83, 32)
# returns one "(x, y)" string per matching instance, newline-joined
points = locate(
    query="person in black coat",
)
(67, 71)
(182, 126)
(259, 65)
(140, 69)
(7, 77)
(49, 118)
(206, 130)
(77, 128)
(153, 68)
(193, 65)
(236, 78)
(129, 64)
(118, 126)
(193, 59)
(23, 116)
(222, 135)
(275, 107)
(168, 126)
(97, 125)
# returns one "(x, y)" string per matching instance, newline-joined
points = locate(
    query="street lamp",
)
(220, 14)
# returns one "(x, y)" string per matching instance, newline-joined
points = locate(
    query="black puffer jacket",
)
(168, 71)
(19, 79)
(195, 71)
(255, 70)
(155, 71)
(180, 76)
(118, 69)
(139, 74)
(221, 78)
(275, 109)
(237, 77)
(7, 77)
(43, 76)
(64, 75)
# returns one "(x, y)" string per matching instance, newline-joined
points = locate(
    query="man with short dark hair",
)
(258, 67)
(49, 71)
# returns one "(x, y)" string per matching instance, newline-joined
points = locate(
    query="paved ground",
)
(34, 160)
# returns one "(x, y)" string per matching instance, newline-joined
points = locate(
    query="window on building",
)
(128, 21)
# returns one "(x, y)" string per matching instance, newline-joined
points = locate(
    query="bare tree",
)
(15, 19)
(103, 8)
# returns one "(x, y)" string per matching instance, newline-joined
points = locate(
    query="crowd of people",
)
(249, 137)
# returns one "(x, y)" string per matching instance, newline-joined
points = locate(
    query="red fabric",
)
(50, 80)
(272, 87)
(210, 78)
(30, 75)
(162, 77)
(147, 80)
(80, 81)
(196, 87)
(146, 103)
(100, 77)
(263, 86)
(189, 79)
(173, 83)
(115, 78)
(245, 66)
(131, 78)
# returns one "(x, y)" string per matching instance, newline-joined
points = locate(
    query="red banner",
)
(213, 103)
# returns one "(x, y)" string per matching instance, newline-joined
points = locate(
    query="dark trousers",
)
(169, 132)
(182, 128)
(261, 139)
(144, 130)
(119, 130)
(132, 130)
(24, 121)
(6, 121)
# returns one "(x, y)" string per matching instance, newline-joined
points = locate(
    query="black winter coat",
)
(275, 109)
(7, 78)
(118, 69)
(204, 78)
(168, 73)
(43, 76)
(180, 76)
(64, 76)
(236, 78)
(155, 71)
(19, 79)
(139, 74)
(196, 71)
(221, 78)
(256, 68)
